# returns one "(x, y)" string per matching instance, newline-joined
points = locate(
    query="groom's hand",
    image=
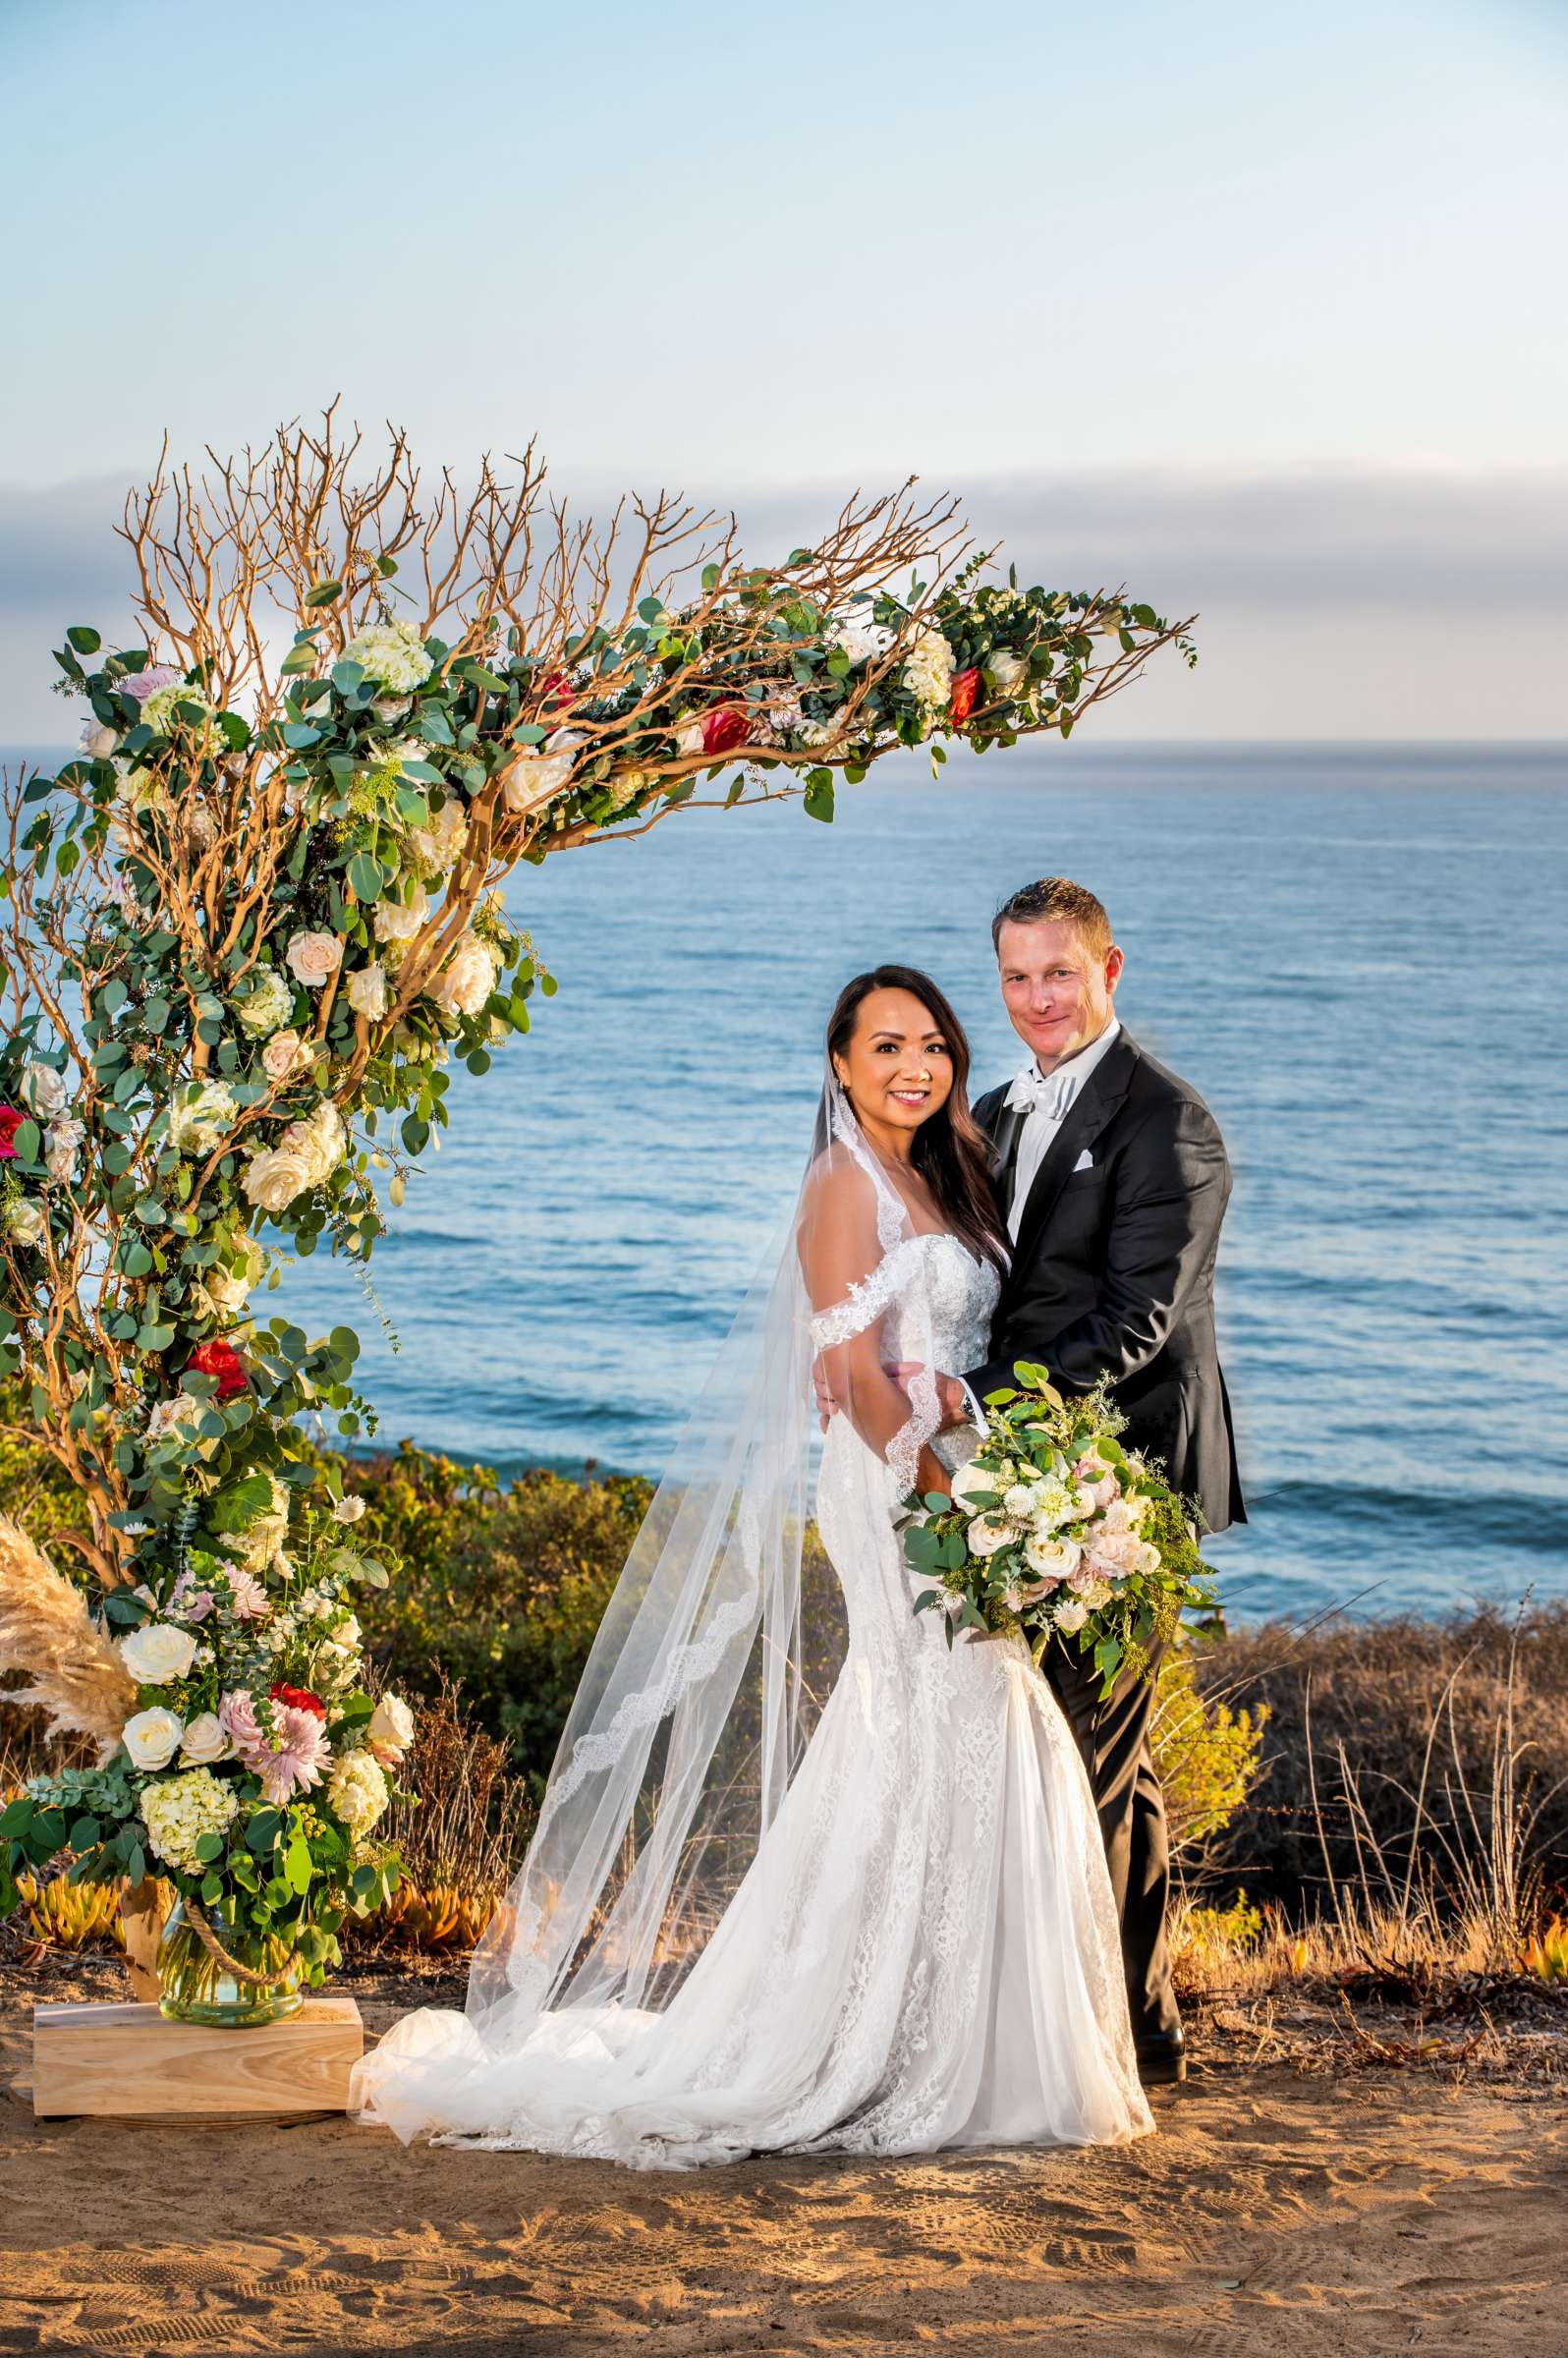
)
(826, 1405)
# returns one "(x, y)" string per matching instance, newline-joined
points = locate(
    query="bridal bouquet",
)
(1056, 1531)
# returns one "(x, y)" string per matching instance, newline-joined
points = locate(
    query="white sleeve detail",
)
(861, 1308)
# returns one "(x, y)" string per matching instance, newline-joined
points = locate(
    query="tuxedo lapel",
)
(1090, 1112)
(1005, 1131)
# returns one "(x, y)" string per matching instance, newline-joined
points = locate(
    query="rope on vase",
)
(216, 1950)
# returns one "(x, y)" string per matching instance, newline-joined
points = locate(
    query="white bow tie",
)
(1036, 1092)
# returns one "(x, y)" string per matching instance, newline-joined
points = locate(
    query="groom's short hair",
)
(1059, 899)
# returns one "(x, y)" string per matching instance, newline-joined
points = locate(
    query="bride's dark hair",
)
(950, 1151)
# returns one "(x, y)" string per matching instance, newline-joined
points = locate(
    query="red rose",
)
(297, 1699)
(224, 1362)
(966, 690)
(557, 688)
(11, 1121)
(723, 730)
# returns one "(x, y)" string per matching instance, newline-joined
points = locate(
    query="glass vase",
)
(195, 1985)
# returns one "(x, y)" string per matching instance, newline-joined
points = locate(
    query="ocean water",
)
(1352, 952)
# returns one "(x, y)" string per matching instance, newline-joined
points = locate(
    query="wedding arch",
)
(243, 937)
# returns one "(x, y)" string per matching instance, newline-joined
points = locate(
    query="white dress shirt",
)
(1043, 1124)
(1055, 1093)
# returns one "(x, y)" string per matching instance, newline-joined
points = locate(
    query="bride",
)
(805, 1878)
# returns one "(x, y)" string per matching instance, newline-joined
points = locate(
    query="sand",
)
(1357, 2212)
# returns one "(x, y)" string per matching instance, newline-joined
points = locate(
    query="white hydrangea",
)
(438, 845)
(200, 1117)
(180, 1810)
(927, 669)
(159, 715)
(357, 1790)
(392, 653)
(268, 1003)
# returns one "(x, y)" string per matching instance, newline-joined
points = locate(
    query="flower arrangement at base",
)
(252, 1764)
(1053, 1530)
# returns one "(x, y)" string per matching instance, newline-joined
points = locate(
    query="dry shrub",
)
(1406, 1761)
(461, 1841)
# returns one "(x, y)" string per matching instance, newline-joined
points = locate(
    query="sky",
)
(1257, 310)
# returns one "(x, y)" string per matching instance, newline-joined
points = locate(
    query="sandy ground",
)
(1277, 2211)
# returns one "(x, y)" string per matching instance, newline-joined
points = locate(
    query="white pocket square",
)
(1085, 1162)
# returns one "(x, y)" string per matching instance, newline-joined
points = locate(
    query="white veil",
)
(716, 1653)
(715, 1658)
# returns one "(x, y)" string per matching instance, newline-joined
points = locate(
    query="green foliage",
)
(502, 1592)
(1209, 1755)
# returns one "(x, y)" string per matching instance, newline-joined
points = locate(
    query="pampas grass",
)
(70, 1670)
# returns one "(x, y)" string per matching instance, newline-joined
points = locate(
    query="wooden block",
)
(128, 2061)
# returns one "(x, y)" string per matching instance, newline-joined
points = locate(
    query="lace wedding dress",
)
(918, 1947)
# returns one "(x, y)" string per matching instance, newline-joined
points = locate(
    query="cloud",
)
(1335, 601)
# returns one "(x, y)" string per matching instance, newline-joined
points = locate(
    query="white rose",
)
(157, 1653)
(532, 778)
(467, 978)
(275, 1176)
(98, 743)
(1098, 1592)
(284, 1054)
(26, 1222)
(366, 991)
(988, 1534)
(61, 1143)
(1006, 670)
(43, 1091)
(862, 641)
(349, 1509)
(204, 1739)
(396, 922)
(1071, 1617)
(972, 1483)
(322, 1135)
(688, 738)
(1052, 1558)
(314, 958)
(152, 1737)
(392, 653)
(391, 1730)
(266, 1004)
(200, 1117)
(231, 1288)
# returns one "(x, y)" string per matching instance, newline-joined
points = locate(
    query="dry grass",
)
(1406, 1762)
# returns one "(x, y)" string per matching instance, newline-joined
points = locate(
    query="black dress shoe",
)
(1161, 2058)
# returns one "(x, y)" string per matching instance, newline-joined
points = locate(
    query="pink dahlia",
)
(300, 1754)
(249, 1600)
(239, 1722)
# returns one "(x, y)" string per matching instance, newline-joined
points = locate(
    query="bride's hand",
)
(951, 1395)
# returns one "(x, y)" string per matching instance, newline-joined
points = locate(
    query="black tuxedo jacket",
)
(1113, 1271)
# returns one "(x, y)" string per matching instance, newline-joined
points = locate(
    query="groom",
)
(1112, 1176)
